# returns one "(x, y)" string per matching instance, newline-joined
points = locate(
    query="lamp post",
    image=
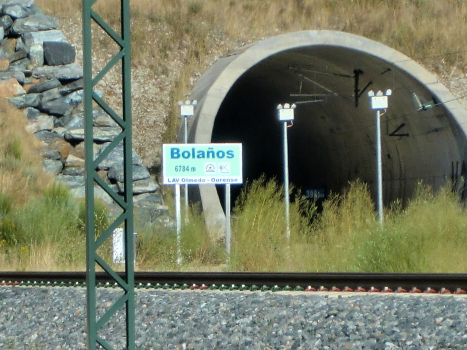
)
(286, 114)
(379, 102)
(187, 110)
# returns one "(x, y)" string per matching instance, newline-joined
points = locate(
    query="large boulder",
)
(100, 135)
(38, 38)
(116, 173)
(52, 166)
(33, 24)
(72, 87)
(17, 75)
(58, 53)
(57, 107)
(25, 3)
(10, 88)
(6, 22)
(140, 186)
(66, 72)
(43, 122)
(115, 157)
(29, 100)
(36, 55)
(16, 10)
(44, 86)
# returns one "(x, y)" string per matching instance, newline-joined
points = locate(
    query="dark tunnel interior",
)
(333, 138)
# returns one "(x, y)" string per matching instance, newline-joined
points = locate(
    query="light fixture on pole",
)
(286, 114)
(187, 110)
(379, 102)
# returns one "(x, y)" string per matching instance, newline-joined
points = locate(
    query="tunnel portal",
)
(327, 75)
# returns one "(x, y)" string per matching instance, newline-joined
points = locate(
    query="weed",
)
(101, 217)
(195, 7)
(6, 204)
(13, 149)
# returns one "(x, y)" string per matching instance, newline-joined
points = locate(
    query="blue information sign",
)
(197, 164)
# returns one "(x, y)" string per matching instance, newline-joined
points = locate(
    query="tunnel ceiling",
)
(332, 140)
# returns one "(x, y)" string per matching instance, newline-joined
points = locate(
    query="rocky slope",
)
(39, 75)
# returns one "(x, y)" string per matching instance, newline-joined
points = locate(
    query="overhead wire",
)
(400, 117)
(394, 87)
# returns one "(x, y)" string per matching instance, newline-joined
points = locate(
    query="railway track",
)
(337, 282)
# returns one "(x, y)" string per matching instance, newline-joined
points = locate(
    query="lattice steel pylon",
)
(126, 300)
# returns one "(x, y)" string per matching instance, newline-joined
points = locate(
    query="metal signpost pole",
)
(286, 182)
(187, 109)
(186, 185)
(286, 114)
(378, 103)
(227, 221)
(379, 166)
(178, 222)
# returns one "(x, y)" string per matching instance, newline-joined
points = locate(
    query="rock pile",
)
(38, 75)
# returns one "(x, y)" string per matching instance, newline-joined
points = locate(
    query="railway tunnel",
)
(332, 141)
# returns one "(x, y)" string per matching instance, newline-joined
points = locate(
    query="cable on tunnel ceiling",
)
(372, 125)
(318, 72)
(319, 85)
(305, 102)
(400, 117)
(357, 93)
(384, 72)
(438, 129)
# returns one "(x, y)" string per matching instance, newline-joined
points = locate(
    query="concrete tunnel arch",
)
(332, 140)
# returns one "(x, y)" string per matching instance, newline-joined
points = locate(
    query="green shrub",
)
(195, 7)
(10, 163)
(13, 149)
(196, 245)
(8, 232)
(259, 228)
(57, 194)
(101, 217)
(157, 249)
(6, 204)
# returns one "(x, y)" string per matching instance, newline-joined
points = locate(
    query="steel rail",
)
(367, 281)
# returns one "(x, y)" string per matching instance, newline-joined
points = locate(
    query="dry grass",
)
(427, 236)
(418, 28)
(21, 175)
(37, 257)
(197, 31)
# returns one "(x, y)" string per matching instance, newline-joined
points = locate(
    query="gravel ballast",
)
(55, 318)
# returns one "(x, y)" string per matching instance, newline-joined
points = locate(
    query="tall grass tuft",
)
(428, 236)
(157, 246)
(259, 239)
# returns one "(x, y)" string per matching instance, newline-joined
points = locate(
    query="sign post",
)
(203, 164)
(187, 110)
(378, 103)
(286, 115)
